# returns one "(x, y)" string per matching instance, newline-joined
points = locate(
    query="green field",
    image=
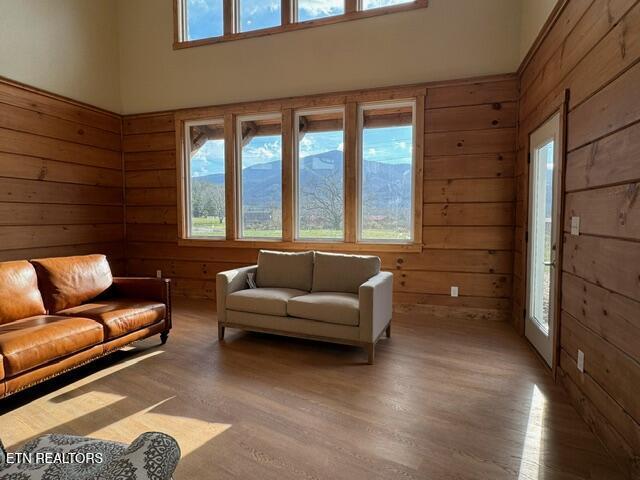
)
(211, 227)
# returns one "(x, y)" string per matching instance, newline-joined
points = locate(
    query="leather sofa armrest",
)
(375, 298)
(144, 288)
(229, 282)
(153, 455)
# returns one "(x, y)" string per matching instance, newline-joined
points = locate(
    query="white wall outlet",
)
(454, 291)
(159, 273)
(575, 225)
(580, 360)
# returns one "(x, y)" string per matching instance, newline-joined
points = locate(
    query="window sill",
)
(326, 246)
(292, 27)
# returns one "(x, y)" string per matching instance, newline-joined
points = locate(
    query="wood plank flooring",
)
(447, 399)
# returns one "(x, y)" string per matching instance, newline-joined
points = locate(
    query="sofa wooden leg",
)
(371, 352)
(164, 336)
(220, 332)
(389, 330)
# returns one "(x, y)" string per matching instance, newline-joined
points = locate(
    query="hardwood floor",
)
(447, 399)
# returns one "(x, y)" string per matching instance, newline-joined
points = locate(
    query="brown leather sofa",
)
(57, 314)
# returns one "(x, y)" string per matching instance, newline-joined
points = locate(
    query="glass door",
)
(543, 236)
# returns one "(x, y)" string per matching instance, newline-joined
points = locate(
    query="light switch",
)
(454, 291)
(575, 225)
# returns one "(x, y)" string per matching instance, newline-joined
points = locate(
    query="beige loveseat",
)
(323, 296)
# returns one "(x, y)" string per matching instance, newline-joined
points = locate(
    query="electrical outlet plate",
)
(454, 291)
(581, 360)
(575, 225)
(159, 273)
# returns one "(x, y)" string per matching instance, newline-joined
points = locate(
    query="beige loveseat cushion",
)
(329, 307)
(335, 272)
(267, 301)
(285, 270)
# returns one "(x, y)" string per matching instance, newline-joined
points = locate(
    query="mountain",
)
(262, 182)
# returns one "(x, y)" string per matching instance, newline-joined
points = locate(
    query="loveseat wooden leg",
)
(371, 352)
(164, 336)
(389, 330)
(220, 332)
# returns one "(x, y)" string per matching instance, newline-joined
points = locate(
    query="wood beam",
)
(287, 175)
(350, 173)
(230, 175)
(287, 10)
(229, 13)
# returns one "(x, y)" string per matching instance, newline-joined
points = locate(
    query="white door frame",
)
(550, 130)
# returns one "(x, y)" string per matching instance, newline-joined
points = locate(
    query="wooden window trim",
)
(289, 24)
(183, 178)
(286, 181)
(416, 167)
(287, 107)
(340, 109)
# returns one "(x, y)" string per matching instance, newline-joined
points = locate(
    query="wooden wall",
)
(593, 49)
(468, 205)
(61, 178)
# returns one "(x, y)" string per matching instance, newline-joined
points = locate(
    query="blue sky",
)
(205, 19)
(386, 145)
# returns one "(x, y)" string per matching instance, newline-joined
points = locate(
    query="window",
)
(370, 4)
(319, 174)
(200, 22)
(336, 171)
(386, 172)
(314, 9)
(205, 154)
(204, 19)
(258, 14)
(259, 140)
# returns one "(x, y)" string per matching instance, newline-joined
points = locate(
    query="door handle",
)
(550, 264)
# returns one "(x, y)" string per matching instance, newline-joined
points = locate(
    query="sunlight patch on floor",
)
(191, 433)
(532, 448)
(60, 395)
(42, 421)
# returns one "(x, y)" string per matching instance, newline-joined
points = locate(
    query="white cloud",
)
(307, 145)
(317, 8)
(382, 3)
(341, 147)
(266, 152)
(372, 152)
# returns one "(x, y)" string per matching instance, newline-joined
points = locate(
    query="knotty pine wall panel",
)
(61, 178)
(593, 51)
(468, 219)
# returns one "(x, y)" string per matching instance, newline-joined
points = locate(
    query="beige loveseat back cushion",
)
(285, 270)
(335, 272)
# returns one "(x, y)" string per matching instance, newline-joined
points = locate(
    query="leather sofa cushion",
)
(119, 316)
(34, 341)
(285, 270)
(19, 294)
(67, 282)
(329, 307)
(268, 301)
(335, 272)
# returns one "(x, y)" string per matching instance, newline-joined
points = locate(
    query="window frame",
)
(287, 107)
(186, 201)
(362, 108)
(238, 162)
(296, 172)
(352, 11)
